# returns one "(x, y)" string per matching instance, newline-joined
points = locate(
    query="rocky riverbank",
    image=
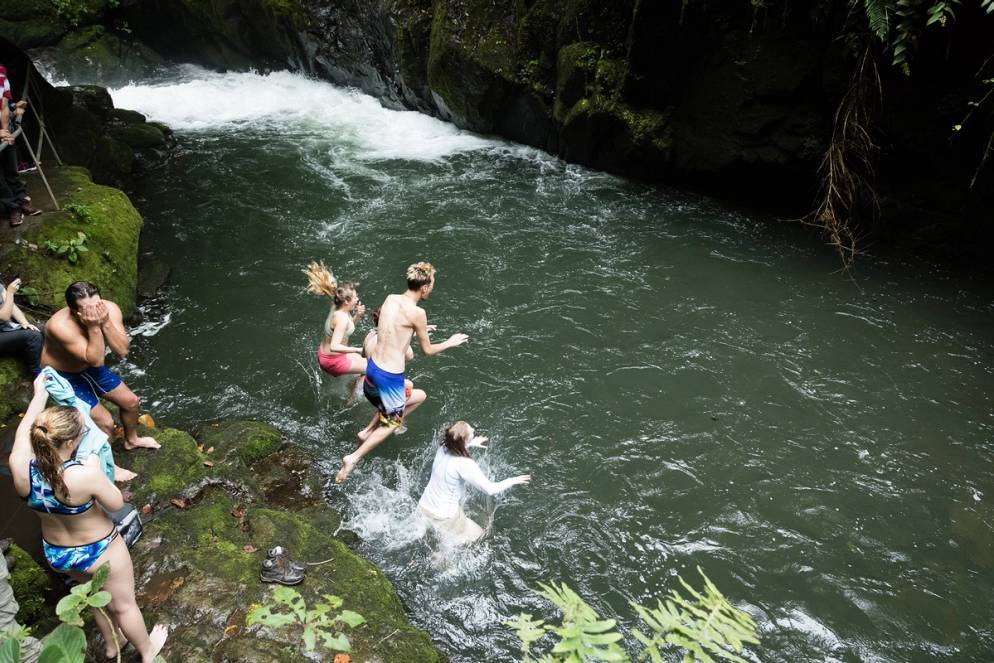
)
(213, 504)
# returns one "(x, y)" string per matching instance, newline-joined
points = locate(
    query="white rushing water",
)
(264, 104)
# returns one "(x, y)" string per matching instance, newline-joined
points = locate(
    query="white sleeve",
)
(471, 473)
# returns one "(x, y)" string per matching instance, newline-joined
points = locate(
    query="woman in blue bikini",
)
(76, 537)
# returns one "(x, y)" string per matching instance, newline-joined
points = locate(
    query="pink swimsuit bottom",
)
(337, 364)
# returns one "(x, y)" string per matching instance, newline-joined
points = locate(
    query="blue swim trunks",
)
(92, 383)
(385, 390)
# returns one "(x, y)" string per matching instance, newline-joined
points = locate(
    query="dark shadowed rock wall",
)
(736, 98)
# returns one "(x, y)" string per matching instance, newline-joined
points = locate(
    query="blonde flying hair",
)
(53, 429)
(320, 281)
(419, 274)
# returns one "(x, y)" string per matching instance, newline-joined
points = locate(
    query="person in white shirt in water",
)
(441, 501)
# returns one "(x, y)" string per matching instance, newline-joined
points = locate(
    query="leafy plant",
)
(30, 295)
(71, 11)
(899, 23)
(316, 623)
(70, 248)
(74, 11)
(10, 643)
(82, 212)
(67, 643)
(705, 627)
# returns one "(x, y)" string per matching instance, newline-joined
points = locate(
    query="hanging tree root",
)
(846, 170)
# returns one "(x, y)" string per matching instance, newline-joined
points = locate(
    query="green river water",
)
(688, 385)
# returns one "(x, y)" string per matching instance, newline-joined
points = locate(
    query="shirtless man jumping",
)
(76, 339)
(385, 386)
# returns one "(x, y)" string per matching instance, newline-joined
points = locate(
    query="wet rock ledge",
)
(216, 502)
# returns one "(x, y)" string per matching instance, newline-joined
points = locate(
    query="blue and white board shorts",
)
(92, 383)
(387, 392)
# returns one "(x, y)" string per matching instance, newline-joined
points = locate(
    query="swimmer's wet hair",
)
(320, 281)
(419, 274)
(79, 290)
(456, 437)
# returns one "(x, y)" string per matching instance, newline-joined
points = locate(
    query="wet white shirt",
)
(449, 476)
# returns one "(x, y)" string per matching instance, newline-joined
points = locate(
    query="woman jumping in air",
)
(453, 468)
(72, 500)
(334, 356)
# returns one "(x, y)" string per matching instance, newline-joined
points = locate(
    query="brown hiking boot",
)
(16, 218)
(279, 569)
(280, 551)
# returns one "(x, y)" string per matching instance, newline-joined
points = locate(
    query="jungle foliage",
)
(703, 627)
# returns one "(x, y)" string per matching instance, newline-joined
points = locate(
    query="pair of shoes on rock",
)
(278, 567)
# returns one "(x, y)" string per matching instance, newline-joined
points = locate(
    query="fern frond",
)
(878, 15)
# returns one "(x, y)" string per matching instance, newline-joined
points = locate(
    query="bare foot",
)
(158, 637)
(143, 442)
(121, 475)
(347, 466)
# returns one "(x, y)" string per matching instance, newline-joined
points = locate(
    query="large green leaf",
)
(98, 600)
(309, 638)
(353, 619)
(10, 650)
(337, 642)
(65, 644)
(69, 606)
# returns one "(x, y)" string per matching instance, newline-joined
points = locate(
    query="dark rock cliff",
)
(735, 98)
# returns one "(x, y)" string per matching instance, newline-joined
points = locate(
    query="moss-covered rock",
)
(178, 471)
(197, 567)
(110, 260)
(248, 441)
(13, 387)
(98, 53)
(30, 584)
(198, 570)
(226, 33)
(32, 32)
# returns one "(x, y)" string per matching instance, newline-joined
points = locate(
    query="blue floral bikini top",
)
(41, 496)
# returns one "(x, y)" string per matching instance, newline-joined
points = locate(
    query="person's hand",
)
(360, 309)
(91, 315)
(102, 311)
(431, 328)
(28, 325)
(39, 387)
(521, 480)
(457, 339)
(13, 287)
(478, 441)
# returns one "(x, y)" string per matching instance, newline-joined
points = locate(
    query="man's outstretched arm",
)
(427, 347)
